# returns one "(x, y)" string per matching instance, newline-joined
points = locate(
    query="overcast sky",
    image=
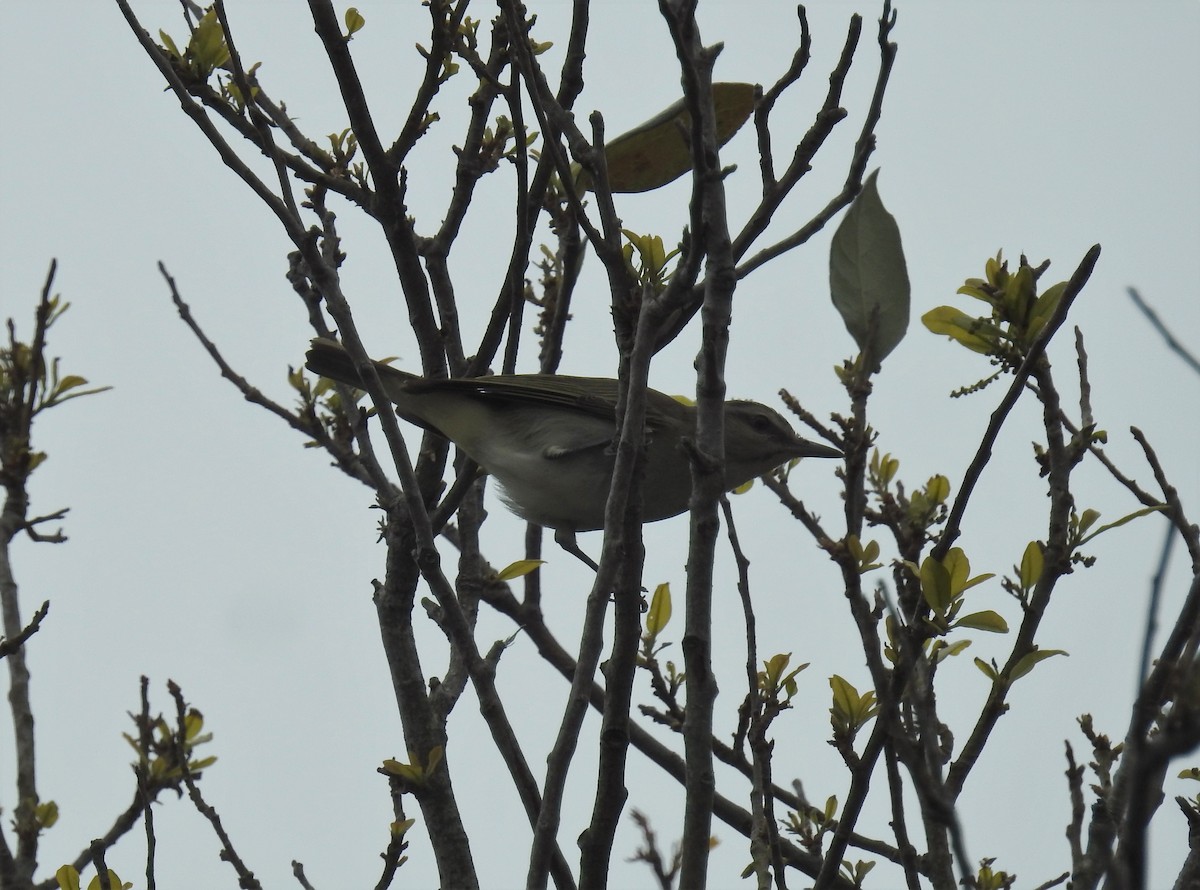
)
(207, 546)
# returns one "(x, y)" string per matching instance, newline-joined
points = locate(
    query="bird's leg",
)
(565, 538)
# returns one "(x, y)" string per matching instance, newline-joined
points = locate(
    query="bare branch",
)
(1157, 323)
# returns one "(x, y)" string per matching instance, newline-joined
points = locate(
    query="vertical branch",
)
(388, 206)
(26, 381)
(711, 238)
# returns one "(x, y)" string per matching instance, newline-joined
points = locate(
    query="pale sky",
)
(207, 546)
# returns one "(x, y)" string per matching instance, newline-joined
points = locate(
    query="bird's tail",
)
(330, 359)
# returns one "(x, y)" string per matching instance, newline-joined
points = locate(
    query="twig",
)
(261, 124)
(142, 774)
(246, 877)
(763, 837)
(671, 763)
(249, 393)
(1156, 585)
(195, 111)
(1074, 774)
(973, 472)
(298, 874)
(396, 842)
(10, 645)
(908, 853)
(648, 853)
(1157, 323)
(97, 851)
(19, 410)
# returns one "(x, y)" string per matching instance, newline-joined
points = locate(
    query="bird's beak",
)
(805, 448)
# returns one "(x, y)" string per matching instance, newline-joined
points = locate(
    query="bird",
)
(548, 439)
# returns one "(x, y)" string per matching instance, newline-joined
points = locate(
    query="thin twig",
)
(1173, 344)
(1152, 605)
(973, 472)
(229, 854)
(10, 645)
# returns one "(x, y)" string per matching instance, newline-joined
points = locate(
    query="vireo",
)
(547, 439)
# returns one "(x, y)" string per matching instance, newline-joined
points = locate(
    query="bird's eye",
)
(760, 422)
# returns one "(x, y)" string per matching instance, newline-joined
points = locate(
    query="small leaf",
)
(660, 610)
(844, 695)
(405, 771)
(46, 814)
(1087, 519)
(935, 586)
(1043, 309)
(354, 22)
(1027, 663)
(207, 45)
(989, 671)
(977, 334)
(868, 278)
(958, 566)
(1031, 565)
(937, 489)
(986, 620)
(774, 667)
(114, 882)
(67, 877)
(518, 569)
(1118, 523)
(435, 758)
(171, 48)
(942, 650)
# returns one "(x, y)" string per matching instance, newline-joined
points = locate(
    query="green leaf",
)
(937, 489)
(114, 882)
(941, 650)
(660, 610)
(354, 22)
(864, 557)
(958, 566)
(1043, 309)
(845, 696)
(435, 758)
(657, 152)
(935, 586)
(868, 278)
(46, 814)
(774, 667)
(207, 45)
(1117, 524)
(989, 671)
(1087, 519)
(850, 710)
(977, 334)
(1031, 565)
(518, 569)
(405, 771)
(170, 47)
(67, 877)
(1030, 660)
(986, 620)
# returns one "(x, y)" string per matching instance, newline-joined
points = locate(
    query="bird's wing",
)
(594, 396)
